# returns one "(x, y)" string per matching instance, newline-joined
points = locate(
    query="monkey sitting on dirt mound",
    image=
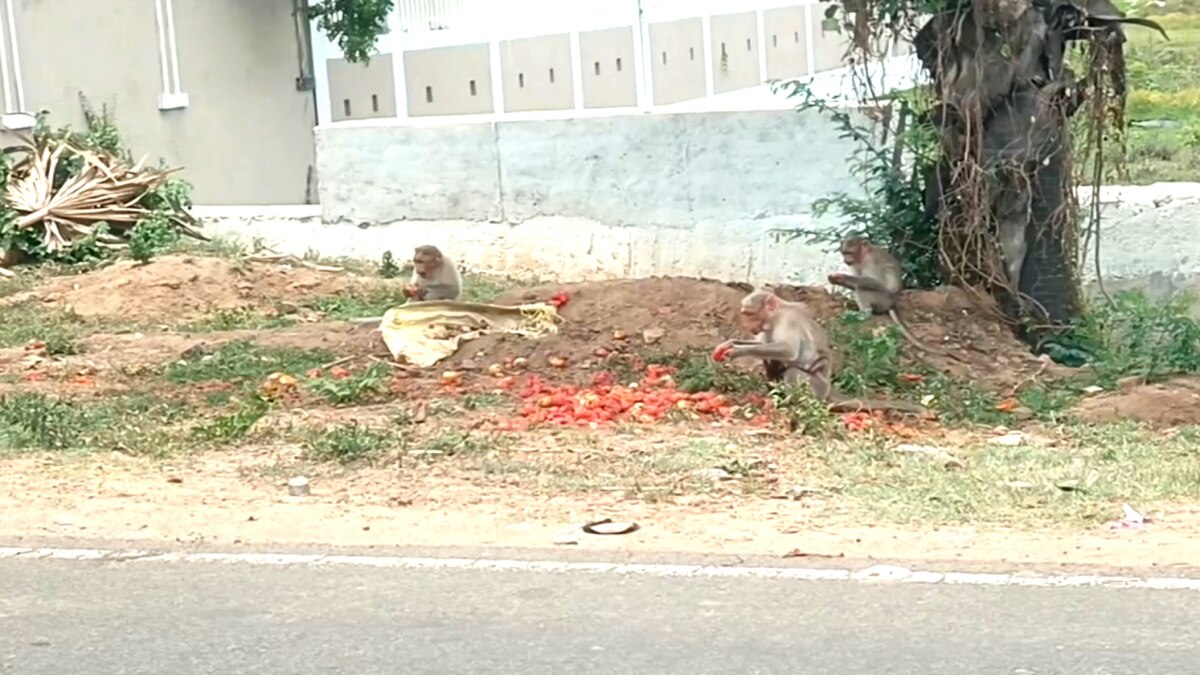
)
(794, 348)
(876, 283)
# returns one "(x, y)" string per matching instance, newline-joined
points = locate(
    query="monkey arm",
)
(857, 283)
(775, 351)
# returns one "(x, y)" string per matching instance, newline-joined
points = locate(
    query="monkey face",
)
(851, 253)
(425, 264)
(854, 254)
(752, 322)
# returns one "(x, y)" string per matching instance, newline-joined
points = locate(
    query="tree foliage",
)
(353, 25)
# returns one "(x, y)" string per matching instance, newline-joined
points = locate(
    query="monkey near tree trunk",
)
(877, 283)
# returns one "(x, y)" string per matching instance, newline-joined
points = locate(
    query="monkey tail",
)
(871, 405)
(914, 341)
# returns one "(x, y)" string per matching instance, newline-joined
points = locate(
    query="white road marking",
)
(874, 574)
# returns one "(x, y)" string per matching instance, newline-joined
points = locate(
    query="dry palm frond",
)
(105, 190)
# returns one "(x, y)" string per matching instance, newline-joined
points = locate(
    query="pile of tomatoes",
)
(647, 401)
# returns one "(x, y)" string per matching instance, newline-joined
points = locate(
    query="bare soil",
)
(1175, 402)
(223, 499)
(672, 315)
(182, 287)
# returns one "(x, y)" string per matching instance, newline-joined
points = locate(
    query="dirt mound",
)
(672, 314)
(1171, 403)
(687, 313)
(184, 287)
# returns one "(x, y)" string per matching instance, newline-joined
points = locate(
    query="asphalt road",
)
(98, 618)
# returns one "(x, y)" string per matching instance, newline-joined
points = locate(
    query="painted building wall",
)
(220, 98)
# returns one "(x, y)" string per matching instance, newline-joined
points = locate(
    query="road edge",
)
(875, 573)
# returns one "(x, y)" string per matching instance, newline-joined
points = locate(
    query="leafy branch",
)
(353, 25)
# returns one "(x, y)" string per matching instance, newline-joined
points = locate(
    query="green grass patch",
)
(872, 368)
(361, 387)
(1025, 485)
(359, 304)
(234, 425)
(1132, 336)
(1164, 84)
(136, 423)
(27, 321)
(353, 443)
(239, 319)
(245, 363)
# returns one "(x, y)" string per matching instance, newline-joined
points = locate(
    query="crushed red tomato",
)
(865, 421)
(857, 421)
(721, 352)
(651, 399)
(559, 299)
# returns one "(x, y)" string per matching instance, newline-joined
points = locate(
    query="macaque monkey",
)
(792, 345)
(434, 277)
(876, 283)
(790, 342)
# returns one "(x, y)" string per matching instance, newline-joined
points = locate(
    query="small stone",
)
(715, 474)
(298, 486)
(653, 335)
(934, 453)
(1011, 439)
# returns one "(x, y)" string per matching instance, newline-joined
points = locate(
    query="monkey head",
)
(426, 261)
(854, 249)
(757, 310)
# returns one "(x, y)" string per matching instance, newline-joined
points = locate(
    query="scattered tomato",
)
(721, 352)
(313, 374)
(559, 299)
(278, 385)
(339, 373)
(857, 421)
(1007, 405)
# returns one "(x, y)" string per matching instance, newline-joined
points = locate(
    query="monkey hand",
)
(722, 351)
(837, 278)
(411, 291)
